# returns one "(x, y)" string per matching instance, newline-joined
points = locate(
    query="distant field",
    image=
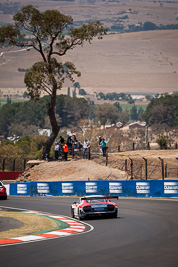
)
(129, 106)
(129, 62)
(4, 101)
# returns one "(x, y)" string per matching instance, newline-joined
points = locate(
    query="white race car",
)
(93, 206)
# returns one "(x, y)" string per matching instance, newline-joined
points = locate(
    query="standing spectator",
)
(100, 146)
(85, 147)
(69, 142)
(65, 151)
(61, 140)
(104, 147)
(56, 148)
(80, 146)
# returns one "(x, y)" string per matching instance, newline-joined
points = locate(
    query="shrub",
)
(162, 142)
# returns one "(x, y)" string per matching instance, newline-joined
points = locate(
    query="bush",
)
(162, 142)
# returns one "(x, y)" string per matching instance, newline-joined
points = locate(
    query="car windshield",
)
(96, 200)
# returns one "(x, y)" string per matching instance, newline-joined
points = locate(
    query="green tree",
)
(52, 36)
(9, 101)
(124, 116)
(149, 26)
(107, 112)
(162, 141)
(102, 95)
(140, 113)
(134, 113)
(118, 106)
(76, 85)
(162, 110)
(82, 92)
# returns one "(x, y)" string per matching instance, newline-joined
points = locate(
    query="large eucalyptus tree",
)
(51, 34)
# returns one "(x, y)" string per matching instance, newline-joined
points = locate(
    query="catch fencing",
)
(137, 169)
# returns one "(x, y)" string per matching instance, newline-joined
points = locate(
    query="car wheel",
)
(114, 214)
(72, 213)
(5, 198)
(79, 216)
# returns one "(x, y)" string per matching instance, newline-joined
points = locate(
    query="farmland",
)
(127, 62)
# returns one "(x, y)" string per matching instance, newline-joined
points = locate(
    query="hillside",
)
(130, 62)
(83, 169)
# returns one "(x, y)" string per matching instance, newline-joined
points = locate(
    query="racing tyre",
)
(114, 214)
(72, 213)
(79, 216)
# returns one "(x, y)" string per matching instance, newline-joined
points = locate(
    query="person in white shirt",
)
(56, 149)
(85, 149)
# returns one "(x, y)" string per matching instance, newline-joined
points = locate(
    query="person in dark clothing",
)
(61, 140)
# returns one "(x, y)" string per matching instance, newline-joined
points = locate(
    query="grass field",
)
(129, 106)
(4, 101)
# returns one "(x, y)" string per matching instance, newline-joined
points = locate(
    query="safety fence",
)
(139, 188)
(8, 175)
(137, 169)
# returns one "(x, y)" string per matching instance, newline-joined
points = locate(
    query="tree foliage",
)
(107, 113)
(163, 110)
(26, 118)
(51, 34)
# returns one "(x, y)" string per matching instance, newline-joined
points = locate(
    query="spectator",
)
(56, 149)
(100, 146)
(65, 151)
(61, 140)
(80, 146)
(69, 142)
(85, 147)
(104, 147)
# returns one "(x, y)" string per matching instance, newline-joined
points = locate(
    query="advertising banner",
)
(139, 188)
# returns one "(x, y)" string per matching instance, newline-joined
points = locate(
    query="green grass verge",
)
(60, 225)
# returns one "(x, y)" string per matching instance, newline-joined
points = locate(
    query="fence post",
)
(13, 165)
(89, 154)
(126, 165)
(3, 164)
(119, 148)
(72, 152)
(131, 168)
(165, 170)
(146, 169)
(24, 164)
(148, 145)
(175, 145)
(106, 158)
(162, 167)
(133, 146)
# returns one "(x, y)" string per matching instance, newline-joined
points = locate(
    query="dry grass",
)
(129, 62)
(32, 223)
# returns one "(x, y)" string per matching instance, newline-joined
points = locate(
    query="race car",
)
(94, 206)
(3, 193)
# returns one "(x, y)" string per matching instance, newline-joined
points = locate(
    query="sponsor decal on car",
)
(115, 187)
(171, 187)
(67, 188)
(142, 187)
(91, 187)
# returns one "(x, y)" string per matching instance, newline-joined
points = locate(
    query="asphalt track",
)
(145, 234)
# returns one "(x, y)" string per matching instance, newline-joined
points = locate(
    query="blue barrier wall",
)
(141, 188)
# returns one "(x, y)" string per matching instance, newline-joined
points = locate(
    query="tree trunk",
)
(55, 129)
